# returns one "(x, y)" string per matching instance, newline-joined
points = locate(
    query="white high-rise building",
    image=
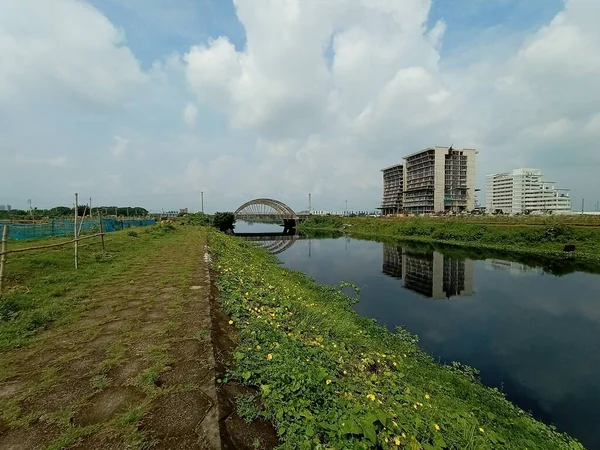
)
(524, 191)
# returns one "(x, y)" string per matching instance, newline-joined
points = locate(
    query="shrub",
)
(224, 221)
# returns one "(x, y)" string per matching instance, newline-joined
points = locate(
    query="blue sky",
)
(152, 101)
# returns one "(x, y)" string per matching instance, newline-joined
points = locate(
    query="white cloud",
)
(117, 150)
(190, 114)
(65, 49)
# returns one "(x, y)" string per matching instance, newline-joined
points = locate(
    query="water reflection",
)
(515, 268)
(272, 242)
(430, 274)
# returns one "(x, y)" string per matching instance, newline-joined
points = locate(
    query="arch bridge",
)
(268, 209)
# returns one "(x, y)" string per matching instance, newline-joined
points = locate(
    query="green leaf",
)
(381, 416)
(368, 430)
(351, 427)
(246, 375)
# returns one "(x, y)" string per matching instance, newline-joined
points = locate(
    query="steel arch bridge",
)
(265, 209)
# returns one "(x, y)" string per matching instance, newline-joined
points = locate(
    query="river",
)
(532, 334)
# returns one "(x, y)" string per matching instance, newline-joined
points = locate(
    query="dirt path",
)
(136, 371)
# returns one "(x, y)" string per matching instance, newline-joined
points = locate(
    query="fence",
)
(63, 227)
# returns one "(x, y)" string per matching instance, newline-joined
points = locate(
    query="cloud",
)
(119, 147)
(64, 49)
(190, 114)
(56, 161)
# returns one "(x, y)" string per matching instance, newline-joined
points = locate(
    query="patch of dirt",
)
(127, 372)
(105, 405)
(36, 436)
(98, 441)
(115, 325)
(185, 372)
(11, 388)
(57, 398)
(177, 414)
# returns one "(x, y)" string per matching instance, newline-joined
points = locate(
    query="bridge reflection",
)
(430, 274)
(273, 242)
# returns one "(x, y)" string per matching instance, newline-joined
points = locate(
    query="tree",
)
(224, 221)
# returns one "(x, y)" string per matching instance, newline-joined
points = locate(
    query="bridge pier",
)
(289, 226)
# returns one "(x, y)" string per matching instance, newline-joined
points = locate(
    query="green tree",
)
(224, 221)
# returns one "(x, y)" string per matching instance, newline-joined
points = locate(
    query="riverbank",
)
(326, 376)
(549, 239)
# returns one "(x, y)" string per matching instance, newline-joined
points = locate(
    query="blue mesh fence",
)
(19, 231)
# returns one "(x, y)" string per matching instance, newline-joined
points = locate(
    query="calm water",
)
(534, 335)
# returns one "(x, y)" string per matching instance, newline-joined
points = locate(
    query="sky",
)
(151, 102)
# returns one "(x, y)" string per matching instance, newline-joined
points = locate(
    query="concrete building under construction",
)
(436, 179)
(393, 188)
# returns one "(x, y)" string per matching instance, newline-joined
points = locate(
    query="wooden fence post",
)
(3, 257)
(75, 225)
(101, 228)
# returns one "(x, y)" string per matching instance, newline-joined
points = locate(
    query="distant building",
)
(436, 179)
(2, 207)
(8, 207)
(393, 188)
(183, 211)
(524, 191)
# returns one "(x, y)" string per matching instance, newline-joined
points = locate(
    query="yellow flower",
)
(481, 430)
(371, 397)
(328, 382)
(427, 397)
(231, 322)
(258, 347)
(345, 372)
(394, 363)
(269, 356)
(397, 440)
(403, 435)
(436, 426)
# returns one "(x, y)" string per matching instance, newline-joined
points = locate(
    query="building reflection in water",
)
(432, 275)
(514, 268)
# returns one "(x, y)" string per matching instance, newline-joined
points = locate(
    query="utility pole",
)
(202, 201)
(75, 225)
(31, 210)
(309, 205)
(582, 204)
(346, 207)
(91, 208)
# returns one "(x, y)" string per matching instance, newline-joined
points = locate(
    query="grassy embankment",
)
(43, 289)
(544, 237)
(328, 378)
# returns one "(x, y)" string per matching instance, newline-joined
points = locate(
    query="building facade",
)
(437, 179)
(393, 186)
(524, 191)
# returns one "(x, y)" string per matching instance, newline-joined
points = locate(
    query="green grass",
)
(328, 378)
(542, 238)
(43, 289)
